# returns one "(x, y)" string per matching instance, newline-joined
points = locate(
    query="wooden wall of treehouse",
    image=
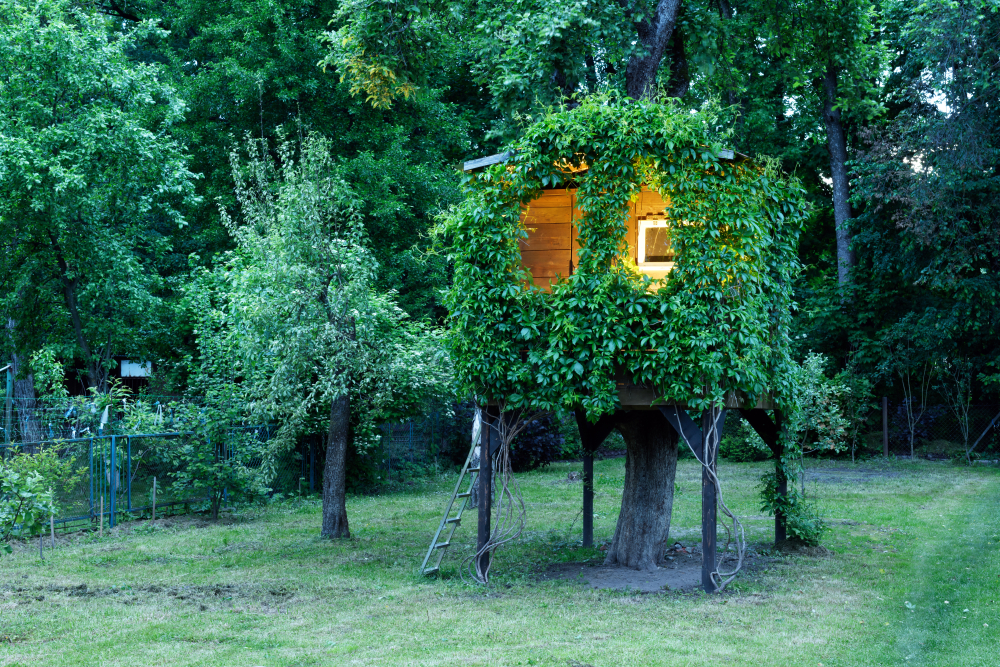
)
(550, 251)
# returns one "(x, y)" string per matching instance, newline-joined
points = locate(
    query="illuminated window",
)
(655, 251)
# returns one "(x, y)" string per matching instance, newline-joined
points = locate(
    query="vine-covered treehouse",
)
(551, 250)
(620, 264)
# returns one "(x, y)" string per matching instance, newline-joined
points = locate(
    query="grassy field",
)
(913, 579)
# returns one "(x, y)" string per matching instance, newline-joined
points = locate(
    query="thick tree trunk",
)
(654, 36)
(335, 471)
(836, 139)
(647, 500)
(680, 74)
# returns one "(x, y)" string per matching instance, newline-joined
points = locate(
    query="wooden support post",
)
(487, 436)
(885, 427)
(709, 523)
(592, 436)
(770, 432)
(780, 525)
(154, 499)
(588, 499)
(52, 527)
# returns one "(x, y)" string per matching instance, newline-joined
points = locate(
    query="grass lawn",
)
(914, 579)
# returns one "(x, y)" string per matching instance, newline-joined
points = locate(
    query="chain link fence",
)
(111, 458)
(936, 431)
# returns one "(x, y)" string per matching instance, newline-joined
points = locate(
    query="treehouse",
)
(660, 367)
(551, 250)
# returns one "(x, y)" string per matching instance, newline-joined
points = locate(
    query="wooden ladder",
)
(449, 524)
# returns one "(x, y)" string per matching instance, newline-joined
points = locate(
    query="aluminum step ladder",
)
(449, 524)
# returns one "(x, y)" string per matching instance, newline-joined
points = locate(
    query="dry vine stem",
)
(510, 515)
(719, 578)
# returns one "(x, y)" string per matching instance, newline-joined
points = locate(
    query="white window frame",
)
(642, 263)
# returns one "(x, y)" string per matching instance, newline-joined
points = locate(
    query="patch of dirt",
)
(681, 572)
(789, 547)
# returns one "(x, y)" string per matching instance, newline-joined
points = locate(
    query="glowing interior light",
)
(655, 251)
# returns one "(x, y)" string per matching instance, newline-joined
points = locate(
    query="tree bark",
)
(836, 139)
(654, 36)
(680, 73)
(335, 471)
(640, 538)
(69, 294)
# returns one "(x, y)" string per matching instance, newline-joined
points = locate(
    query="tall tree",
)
(833, 52)
(294, 316)
(93, 184)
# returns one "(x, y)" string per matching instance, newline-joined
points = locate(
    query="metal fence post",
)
(885, 427)
(128, 473)
(91, 456)
(8, 404)
(312, 466)
(113, 486)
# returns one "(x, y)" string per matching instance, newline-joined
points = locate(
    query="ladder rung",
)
(455, 519)
(431, 570)
(472, 470)
(442, 545)
(464, 495)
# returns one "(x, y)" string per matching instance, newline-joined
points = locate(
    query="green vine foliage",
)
(719, 324)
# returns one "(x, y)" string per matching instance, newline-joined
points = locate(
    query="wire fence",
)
(111, 458)
(936, 431)
(112, 478)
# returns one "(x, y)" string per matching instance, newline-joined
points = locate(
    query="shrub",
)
(537, 445)
(803, 522)
(741, 444)
(58, 471)
(25, 505)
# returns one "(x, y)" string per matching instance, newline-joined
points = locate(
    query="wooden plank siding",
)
(552, 247)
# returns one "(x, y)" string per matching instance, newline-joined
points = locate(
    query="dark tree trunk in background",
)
(335, 471)
(647, 500)
(680, 74)
(654, 33)
(836, 139)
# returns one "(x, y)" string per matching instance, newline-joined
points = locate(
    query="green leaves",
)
(719, 322)
(25, 505)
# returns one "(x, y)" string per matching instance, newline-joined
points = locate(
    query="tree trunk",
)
(335, 471)
(680, 73)
(654, 36)
(647, 500)
(836, 139)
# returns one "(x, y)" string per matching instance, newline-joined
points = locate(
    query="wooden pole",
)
(588, 499)
(885, 427)
(780, 525)
(154, 499)
(41, 542)
(709, 439)
(52, 528)
(486, 439)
